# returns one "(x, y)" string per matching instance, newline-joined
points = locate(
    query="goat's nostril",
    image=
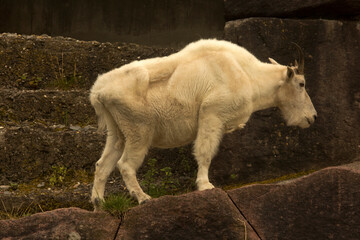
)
(315, 116)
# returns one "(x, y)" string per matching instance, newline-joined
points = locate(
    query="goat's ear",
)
(273, 61)
(290, 73)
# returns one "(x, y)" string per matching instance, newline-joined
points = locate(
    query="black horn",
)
(301, 58)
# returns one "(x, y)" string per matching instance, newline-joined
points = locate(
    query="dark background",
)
(152, 22)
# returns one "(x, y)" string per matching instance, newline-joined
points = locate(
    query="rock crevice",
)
(241, 213)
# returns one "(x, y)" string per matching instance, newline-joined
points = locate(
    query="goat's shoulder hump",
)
(210, 45)
(213, 45)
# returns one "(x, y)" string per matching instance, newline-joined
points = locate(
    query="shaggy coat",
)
(197, 95)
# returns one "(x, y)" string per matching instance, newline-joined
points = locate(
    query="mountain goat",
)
(209, 88)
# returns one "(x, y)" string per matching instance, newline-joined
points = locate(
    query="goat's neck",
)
(266, 83)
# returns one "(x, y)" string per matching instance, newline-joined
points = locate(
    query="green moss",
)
(58, 175)
(78, 175)
(68, 177)
(6, 115)
(29, 187)
(158, 182)
(273, 180)
(234, 176)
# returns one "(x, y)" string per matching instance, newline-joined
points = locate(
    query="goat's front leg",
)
(206, 145)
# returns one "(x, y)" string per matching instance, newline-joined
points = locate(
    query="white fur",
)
(196, 95)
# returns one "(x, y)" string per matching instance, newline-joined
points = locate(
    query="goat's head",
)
(292, 98)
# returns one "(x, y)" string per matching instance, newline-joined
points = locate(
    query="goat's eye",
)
(302, 84)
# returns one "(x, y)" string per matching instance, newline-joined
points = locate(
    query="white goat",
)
(207, 89)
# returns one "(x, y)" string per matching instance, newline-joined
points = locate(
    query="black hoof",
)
(97, 202)
(145, 201)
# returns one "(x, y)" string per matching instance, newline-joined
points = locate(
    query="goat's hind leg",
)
(129, 163)
(105, 165)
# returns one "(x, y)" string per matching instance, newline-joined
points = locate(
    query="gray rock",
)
(41, 185)
(75, 128)
(198, 215)
(66, 223)
(74, 236)
(323, 205)
(4, 187)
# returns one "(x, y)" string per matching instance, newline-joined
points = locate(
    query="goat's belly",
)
(174, 133)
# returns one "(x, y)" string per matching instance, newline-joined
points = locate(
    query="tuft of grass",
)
(20, 211)
(118, 204)
(64, 80)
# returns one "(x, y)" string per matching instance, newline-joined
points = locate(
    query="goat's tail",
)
(100, 110)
